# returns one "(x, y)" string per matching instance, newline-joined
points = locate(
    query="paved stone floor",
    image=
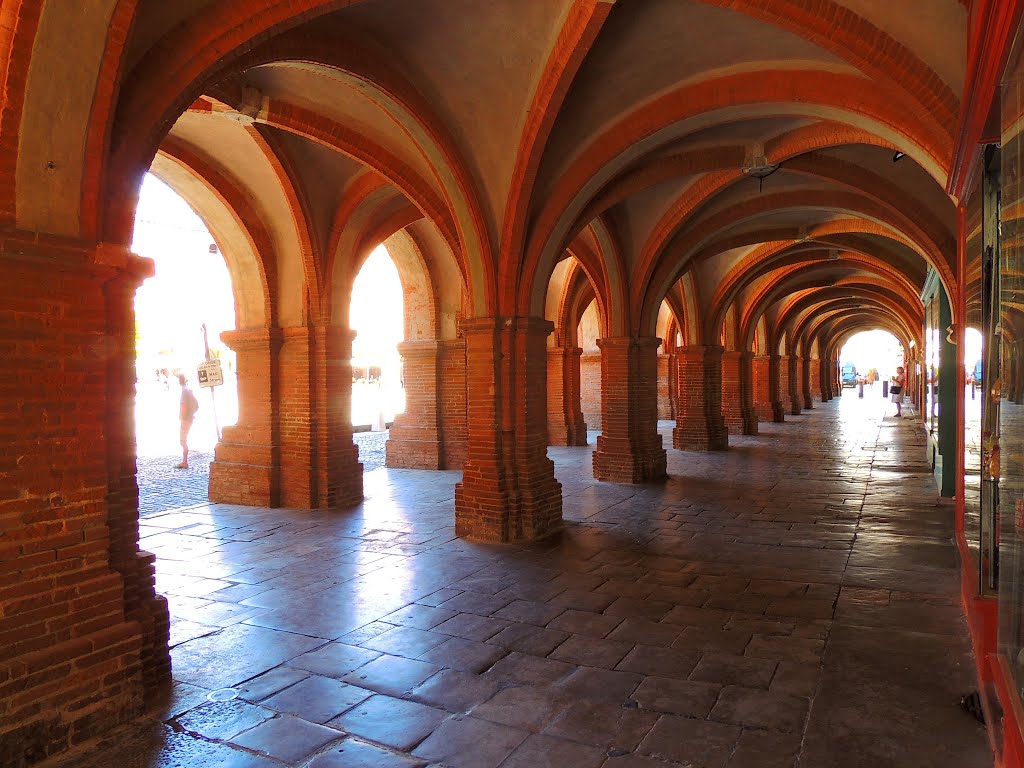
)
(162, 487)
(791, 602)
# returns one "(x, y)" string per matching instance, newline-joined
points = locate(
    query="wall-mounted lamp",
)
(949, 333)
(898, 156)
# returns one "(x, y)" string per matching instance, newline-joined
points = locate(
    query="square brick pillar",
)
(340, 474)
(245, 466)
(508, 491)
(778, 381)
(83, 635)
(590, 388)
(760, 369)
(629, 447)
(806, 367)
(666, 382)
(748, 407)
(700, 426)
(320, 466)
(732, 400)
(566, 424)
(414, 441)
(793, 393)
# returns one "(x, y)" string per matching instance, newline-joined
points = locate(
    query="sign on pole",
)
(209, 373)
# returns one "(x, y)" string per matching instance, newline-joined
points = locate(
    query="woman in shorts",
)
(896, 390)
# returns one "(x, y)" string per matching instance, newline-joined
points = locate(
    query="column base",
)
(689, 438)
(489, 513)
(244, 474)
(750, 421)
(618, 462)
(778, 412)
(413, 448)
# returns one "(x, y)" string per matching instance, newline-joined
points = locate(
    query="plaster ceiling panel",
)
(744, 133)
(637, 216)
(324, 173)
(329, 93)
(154, 19)
(476, 64)
(907, 175)
(647, 48)
(228, 145)
(936, 31)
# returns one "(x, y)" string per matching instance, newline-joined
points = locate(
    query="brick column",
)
(566, 425)
(319, 462)
(760, 367)
(245, 465)
(700, 426)
(83, 636)
(508, 492)
(814, 379)
(414, 441)
(778, 379)
(748, 407)
(805, 383)
(340, 474)
(452, 408)
(590, 388)
(666, 380)
(793, 393)
(629, 448)
(673, 383)
(732, 401)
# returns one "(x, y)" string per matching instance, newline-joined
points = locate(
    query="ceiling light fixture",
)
(757, 165)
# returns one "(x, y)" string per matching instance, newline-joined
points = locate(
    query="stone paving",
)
(790, 602)
(162, 487)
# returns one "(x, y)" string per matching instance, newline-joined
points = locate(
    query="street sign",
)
(209, 373)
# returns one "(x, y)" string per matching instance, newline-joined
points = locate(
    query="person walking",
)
(186, 414)
(896, 390)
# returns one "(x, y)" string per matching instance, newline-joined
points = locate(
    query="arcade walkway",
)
(792, 602)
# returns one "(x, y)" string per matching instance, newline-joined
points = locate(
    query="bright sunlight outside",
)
(878, 350)
(192, 287)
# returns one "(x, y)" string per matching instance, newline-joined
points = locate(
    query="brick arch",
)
(582, 25)
(588, 267)
(453, 204)
(789, 93)
(792, 281)
(853, 38)
(379, 225)
(310, 248)
(645, 296)
(577, 297)
(795, 316)
(859, 322)
(253, 279)
(765, 258)
(19, 22)
(419, 296)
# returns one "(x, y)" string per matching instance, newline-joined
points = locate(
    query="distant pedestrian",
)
(896, 390)
(186, 414)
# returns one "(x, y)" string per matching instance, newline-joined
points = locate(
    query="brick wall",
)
(452, 407)
(81, 628)
(590, 388)
(760, 374)
(666, 385)
(732, 404)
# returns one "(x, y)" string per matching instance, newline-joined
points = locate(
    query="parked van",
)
(848, 375)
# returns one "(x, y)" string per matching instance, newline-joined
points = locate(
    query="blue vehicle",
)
(848, 375)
